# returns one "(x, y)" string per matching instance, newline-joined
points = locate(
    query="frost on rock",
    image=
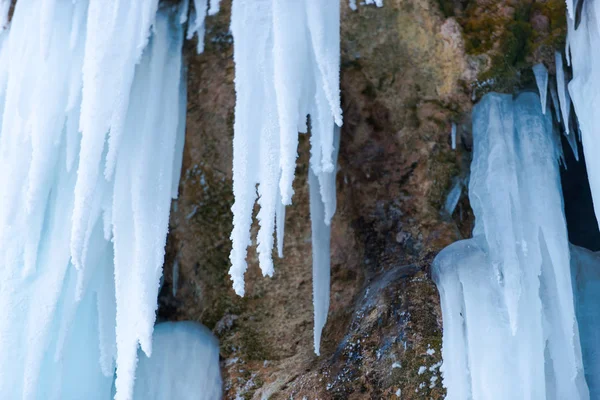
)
(287, 59)
(506, 293)
(541, 78)
(353, 7)
(183, 366)
(91, 99)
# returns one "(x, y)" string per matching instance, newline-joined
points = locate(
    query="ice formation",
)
(287, 59)
(554, 97)
(92, 125)
(586, 287)
(563, 93)
(453, 136)
(352, 3)
(541, 78)
(509, 318)
(321, 236)
(184, 365)
(583, 89)
(453, 197)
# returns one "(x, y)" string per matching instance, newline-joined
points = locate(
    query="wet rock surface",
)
(409, 70)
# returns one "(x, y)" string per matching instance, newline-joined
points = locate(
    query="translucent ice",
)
(585, 268)
(183, 366)
(585, 61)
(507, 303)
(90, 100)
(541, 78)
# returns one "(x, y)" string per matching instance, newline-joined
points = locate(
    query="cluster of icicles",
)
(520, 305)
(92, 130)
(92, 120)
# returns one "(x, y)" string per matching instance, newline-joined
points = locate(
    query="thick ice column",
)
(184, 366)
(585, 269)
(506, 294)
(78, 302)
(584, 88)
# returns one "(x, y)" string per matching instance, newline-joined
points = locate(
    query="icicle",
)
(541, 78)
(453, 197)
(570, 9)
(322, 198)
(572, 140)
(506, 294)
(198, 27)
(453, 136)
(555, 105)
(280, 226)
(215, 6)
(563, 93)
(287, 66)
(321, 259)
(107, 78)
(77, 303)
(249, 51)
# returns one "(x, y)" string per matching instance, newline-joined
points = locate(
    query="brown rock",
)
(408, 70)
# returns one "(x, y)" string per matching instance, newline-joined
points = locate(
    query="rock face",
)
(409, 70)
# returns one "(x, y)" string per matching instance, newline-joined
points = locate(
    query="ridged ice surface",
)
(584, 88)
(586, 286)
(507, 303)
(184, 365)
(91, 101)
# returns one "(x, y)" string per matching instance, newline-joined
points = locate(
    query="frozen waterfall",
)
(509, 317)
(91, 140)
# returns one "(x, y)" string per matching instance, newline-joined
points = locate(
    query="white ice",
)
(91, 124)
(584, 89)
(507, 303)
(287, 59)
(353, 6)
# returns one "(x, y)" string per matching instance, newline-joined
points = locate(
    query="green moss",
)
(251, 345)
(511, 42)
(446, 7)
(444, 167)
(555, 11)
